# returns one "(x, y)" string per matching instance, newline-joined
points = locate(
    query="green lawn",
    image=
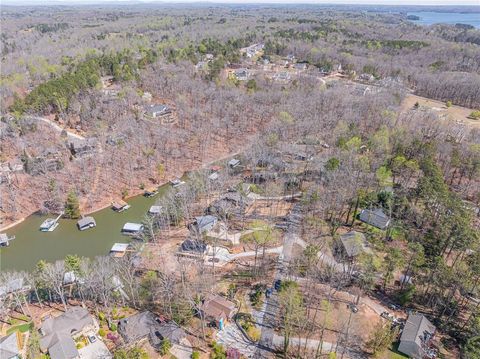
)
(22, 328)
(393, 353)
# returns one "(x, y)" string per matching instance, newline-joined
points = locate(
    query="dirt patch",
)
(454, 113)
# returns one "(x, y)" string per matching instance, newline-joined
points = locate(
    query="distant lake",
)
(452, 18)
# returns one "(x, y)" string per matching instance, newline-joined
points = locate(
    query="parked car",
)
(277, 285)
(92, 338)
(268, 292)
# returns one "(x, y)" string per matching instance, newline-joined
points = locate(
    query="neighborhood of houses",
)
(219, 237)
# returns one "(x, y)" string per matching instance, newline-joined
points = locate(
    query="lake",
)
(31, 245)
(429, 18)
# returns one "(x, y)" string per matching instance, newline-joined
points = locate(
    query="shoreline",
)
(136, 192)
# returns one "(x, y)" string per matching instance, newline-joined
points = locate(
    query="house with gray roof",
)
(375, 217)
(157, 110)
(146, 325)
(203, 224)
(353, 244)
(416, 337)
(58, 332)
(9, 347)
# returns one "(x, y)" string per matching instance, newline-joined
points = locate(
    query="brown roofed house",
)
(218, 309)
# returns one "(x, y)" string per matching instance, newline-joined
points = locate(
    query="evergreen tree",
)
(72, 207)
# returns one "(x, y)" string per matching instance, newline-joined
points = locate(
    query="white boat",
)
(50, 224)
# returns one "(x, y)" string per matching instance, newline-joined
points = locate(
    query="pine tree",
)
(72, 207)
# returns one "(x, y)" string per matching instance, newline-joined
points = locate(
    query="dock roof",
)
(132, 227)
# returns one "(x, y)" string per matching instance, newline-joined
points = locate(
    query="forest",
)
(312, 102)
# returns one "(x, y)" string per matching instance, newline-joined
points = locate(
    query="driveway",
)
(232, 337)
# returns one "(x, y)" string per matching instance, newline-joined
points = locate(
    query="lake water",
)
(31, 245)
(429, 18)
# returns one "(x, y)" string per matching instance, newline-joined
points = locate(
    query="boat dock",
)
(50, 224)
(5, 239)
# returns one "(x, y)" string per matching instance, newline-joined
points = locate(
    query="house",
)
(203, 224)
(283, 76)
(157, 110)
(120, 206)
(146, 326)
(416, 336)
(119, 250)
(301, 66)
(229, 204)
(353, 244)
(241, 74)
(193, 246)
(82, 147)
(58, 333)
(375, 218)
(155, 210)
(218, 310)
(132, 228)
(86, 223)
(233, 163)
(9, 346)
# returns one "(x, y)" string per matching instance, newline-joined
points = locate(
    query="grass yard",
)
(22, 328)
(393, 353)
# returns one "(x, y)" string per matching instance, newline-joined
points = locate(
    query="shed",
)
(86, 223)
(416, 336)
(376, 218)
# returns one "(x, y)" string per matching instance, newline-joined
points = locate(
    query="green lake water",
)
(31, 245)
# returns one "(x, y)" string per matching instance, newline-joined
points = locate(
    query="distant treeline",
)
(56, 93)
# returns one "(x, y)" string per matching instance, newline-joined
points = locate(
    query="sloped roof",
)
(85, 221)
(417, 328)
(376, 218)
(218, 307)
(204, 222)
(64, 348)
(417, 332)
(70, 322)
(141, 325)
(9, 346)
(354, 243)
